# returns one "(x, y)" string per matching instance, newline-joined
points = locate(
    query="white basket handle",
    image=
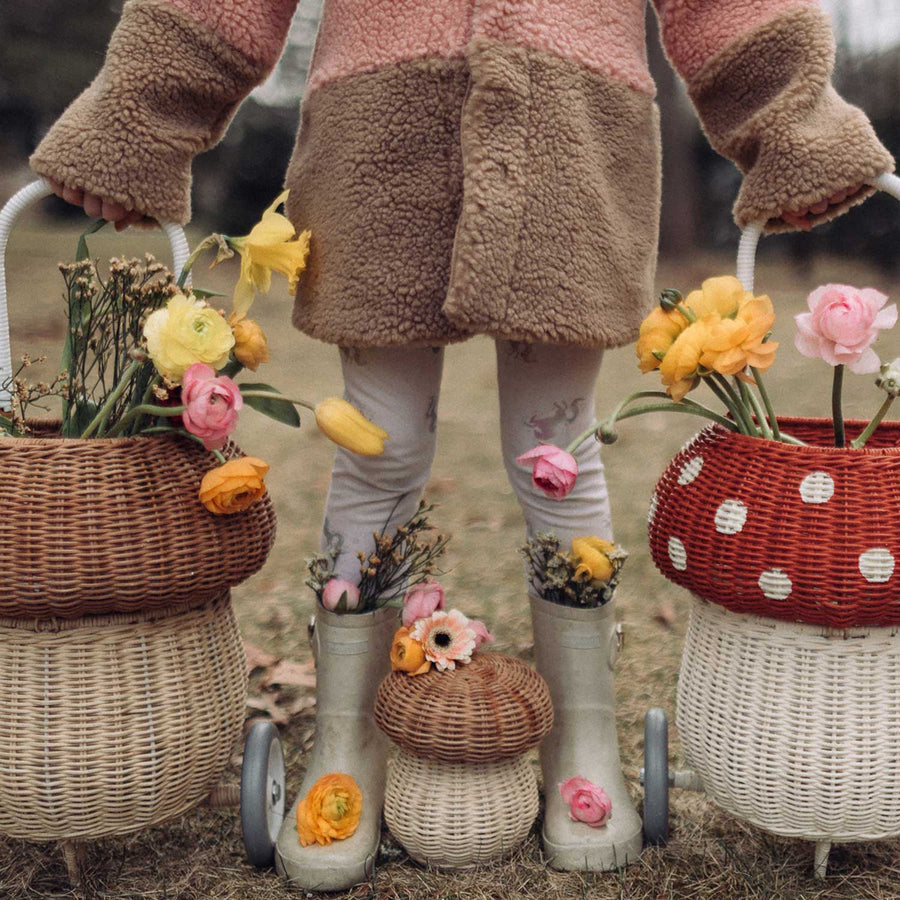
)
(746, 256)
(16, 204)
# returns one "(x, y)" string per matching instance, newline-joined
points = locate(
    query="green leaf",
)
(82, 251)
(280, 410)
(81, 415)
(201, 294)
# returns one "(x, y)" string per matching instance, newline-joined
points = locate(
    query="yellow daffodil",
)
(591, 555)
(348, 427)
(271, 246)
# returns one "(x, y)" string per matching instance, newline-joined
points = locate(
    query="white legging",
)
(546, 394)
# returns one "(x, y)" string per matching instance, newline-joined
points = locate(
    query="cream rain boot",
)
(352, 653)
(575, 650)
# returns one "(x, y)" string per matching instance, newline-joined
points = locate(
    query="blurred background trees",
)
(51, 49)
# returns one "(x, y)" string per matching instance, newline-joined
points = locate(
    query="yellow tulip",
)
(591, 557)
(269, 247)
(347, 426)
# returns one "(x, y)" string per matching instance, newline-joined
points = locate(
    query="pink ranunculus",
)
(337, 588)
(842, 324)
(479, 629)
(588, 802)
(212, 403)
(421, 600)
(553, 470)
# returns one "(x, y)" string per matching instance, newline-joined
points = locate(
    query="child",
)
(471, 167)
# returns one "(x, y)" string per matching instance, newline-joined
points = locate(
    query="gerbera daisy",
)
(446, 637)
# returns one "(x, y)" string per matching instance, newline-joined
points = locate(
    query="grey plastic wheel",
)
(262, 793)
(656, 776)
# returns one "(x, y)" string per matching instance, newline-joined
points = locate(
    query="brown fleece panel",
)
(167, 91)
(767, 103)
(376, 175)
(557, 236)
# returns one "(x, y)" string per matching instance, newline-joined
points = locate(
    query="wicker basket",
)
(111, 724)
(454, 815)
(115, 526)
(801, 533)
(794, 728)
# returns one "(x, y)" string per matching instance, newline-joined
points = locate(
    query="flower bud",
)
(889, 378)
(669, 299)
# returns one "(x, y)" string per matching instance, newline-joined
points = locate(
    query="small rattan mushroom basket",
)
(460, 792)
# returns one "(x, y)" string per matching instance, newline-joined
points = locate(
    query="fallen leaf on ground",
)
(257, 658)
(665, 615)
(289, 672)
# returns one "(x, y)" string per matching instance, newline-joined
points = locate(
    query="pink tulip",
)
(421, 600)
(212, 403)
(337, 588)
(479, 629)
(553, 470)
(842, 324)
(588, 802)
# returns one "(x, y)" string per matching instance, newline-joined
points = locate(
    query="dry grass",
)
(710, 853)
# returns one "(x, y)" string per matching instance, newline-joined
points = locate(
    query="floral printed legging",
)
(546, 395)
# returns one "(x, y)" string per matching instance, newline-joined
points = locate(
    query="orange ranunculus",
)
(680, 369)
(723, 295)
(737, 343)
(591, 557)
(233, 486)
(658, 332)
(330, 811)
(250, 346)
(408, 654)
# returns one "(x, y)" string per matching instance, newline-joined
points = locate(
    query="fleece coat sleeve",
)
(174, 75)
(759, 75)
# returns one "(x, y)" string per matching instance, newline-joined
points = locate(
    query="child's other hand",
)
(99, 208)
(804, 219)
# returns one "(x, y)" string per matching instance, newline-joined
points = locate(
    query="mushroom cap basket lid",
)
(494, 707)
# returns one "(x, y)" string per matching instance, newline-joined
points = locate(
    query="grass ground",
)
(710, 853)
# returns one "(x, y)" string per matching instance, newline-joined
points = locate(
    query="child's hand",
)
(804, 219)
(99, 208)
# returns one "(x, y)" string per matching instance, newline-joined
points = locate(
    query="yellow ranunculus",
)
(408, 654)
(348, 427)
(234, 486)
(270, 247)
(723, 295)
(330, 811)
(250, 345)
(658, 332)
(591, 555)
(737, 343)
(680, 369)
(184, 332)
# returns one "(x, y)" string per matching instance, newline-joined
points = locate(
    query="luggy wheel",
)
(262, 793)
(656, 776)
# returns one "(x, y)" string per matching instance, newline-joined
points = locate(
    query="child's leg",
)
(547, 394)
(398, 389)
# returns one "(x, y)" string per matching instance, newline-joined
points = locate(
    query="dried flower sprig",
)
(24, 394)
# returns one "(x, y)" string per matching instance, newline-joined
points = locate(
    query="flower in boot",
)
(211, 405)
(588, 802)
(336, 590)
(330, 811)
(234, 486)
(421, 600)
(407, 654)
(446, 638)
(552, 470)
(591, 557)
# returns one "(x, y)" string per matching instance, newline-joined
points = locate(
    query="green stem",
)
(610, 420)
(837, 414)
(749, 397)
(876, 421)
(99, 421)
(145, 409)
(693, 409)
(767, 402)
(729, 400)
(268, 395)
(162, 429)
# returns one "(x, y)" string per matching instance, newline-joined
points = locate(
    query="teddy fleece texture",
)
(473, 166)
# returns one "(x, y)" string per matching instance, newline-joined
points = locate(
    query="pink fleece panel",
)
(607, 37)
(256, 28)
(695, 30)
(363, 35)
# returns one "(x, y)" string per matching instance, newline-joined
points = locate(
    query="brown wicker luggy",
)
(115, 525)
(493, 708)
(800, 533)
(109, 724)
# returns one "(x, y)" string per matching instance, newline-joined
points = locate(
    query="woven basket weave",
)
(493, 708)
(115, 525)
(808, 534)
(794, 728)
(110, 724)
(457, 814)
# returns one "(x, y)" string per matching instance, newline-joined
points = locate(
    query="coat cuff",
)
(166, 92)
(767, 103)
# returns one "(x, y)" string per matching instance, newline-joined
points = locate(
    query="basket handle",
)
(16, 204)
(746, 256)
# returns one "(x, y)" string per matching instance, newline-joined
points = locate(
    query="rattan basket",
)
(794, 728)
(110, 724)
(454, 815)
(801, 533)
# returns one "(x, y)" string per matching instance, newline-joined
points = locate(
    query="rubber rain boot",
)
(575, 650)
(352, 653)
